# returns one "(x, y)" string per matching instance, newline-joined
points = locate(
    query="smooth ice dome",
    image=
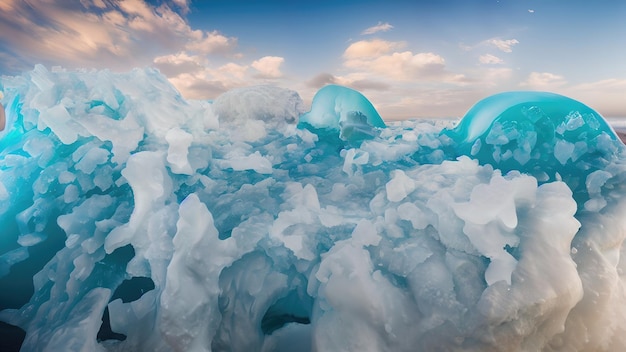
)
(343, 109)
(135, 220)
(547, 135)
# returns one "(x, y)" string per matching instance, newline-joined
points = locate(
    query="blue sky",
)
(410, 58)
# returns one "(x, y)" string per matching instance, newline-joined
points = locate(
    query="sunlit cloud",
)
(489, 59)
(115, 34)
(371, 48)
(268, 66)
(176, 64)
(211, 42)
(401, 65)
(380, 27)
(503, 45)
(543, 80)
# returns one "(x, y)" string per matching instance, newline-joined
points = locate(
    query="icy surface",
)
(546, 135)
(344, 110)
(246, 224)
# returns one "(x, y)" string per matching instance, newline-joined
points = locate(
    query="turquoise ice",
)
(132, 219)
(547, 135)
(343, 109)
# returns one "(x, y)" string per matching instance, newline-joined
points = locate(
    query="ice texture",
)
(546, 135)
(135, 220)
(345, 110)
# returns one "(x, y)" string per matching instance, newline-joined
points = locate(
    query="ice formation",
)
(345, 110)
(133, 219)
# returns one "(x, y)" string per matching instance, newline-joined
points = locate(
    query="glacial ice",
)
(345, 110)
(133, 219)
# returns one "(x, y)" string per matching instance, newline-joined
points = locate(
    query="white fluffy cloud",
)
(489, 59)
(197, 78)
(543, 80)
(380, 27)
(211, 42)
(117, 34)
(379, 60)
(370, 48)
(503, 45)
(401, 65)
(268, 66)
(122, 34)
(176, 64)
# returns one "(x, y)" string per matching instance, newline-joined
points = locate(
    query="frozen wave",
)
(245, 225)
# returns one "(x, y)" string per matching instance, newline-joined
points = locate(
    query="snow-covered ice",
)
(133, 219)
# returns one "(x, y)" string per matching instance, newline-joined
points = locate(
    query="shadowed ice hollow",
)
(133, 219)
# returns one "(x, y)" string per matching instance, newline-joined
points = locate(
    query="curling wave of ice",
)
(246, 225)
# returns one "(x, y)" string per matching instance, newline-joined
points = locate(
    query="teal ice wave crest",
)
(262, 227)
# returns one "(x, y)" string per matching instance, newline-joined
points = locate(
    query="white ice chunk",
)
(354, 157)
(198, 253)
(146, 174)
(481, 209)
(254, 161)
(10, 258)
(125, 134)
(60, 122)
(365, 234)
(595, 181)
(79, 332)
(91, 160)
(410, 212)
(179, 142)
(71, 194)
(563, 151)
(31, 239)
(399, 186)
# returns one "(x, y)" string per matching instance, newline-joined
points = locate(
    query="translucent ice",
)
(543, 134)
(345, 110)
(134, 220)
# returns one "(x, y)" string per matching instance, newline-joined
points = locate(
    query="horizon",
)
(411, 59)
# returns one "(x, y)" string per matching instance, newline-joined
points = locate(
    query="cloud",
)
(206, 84)
(543, 80)
(268, 66)
(321, 80)
(380, 27)
(196, 78)
(503, 45)
(211, 42)
(183, 5)
(8, 5)
(370, 48)
(234, 70)
(606, 96)
(531, 11)
(489, 59)
(400, 65)
(116, 34)
(174, 65)
(195, 87)
(366, 84)
(381, 59)
(354, 81)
